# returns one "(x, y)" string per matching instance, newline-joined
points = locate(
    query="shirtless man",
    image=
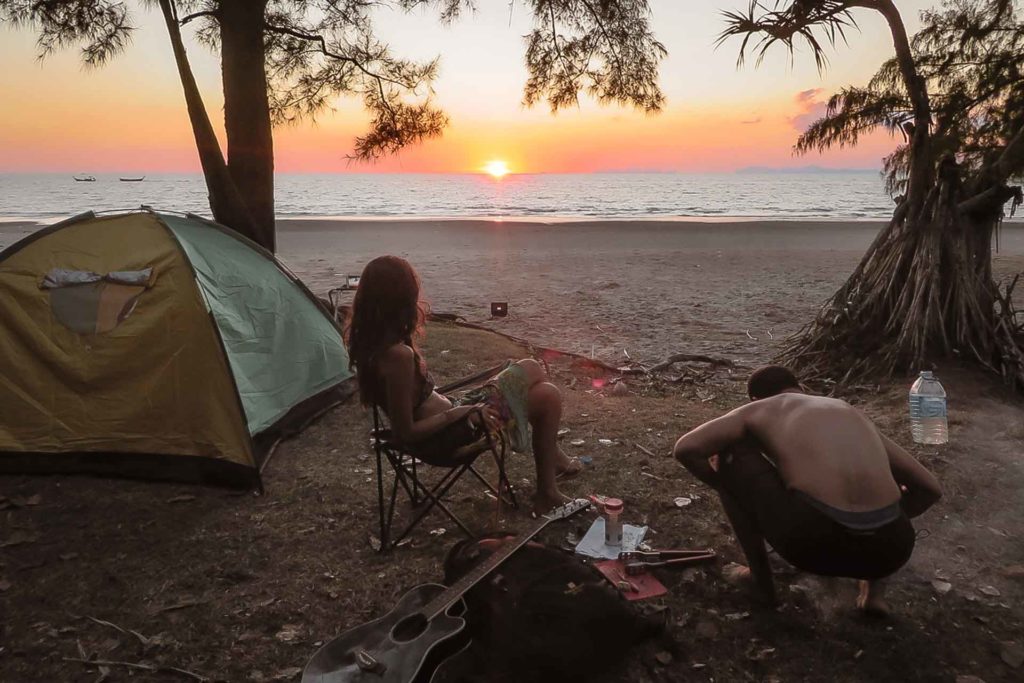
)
(817, 480)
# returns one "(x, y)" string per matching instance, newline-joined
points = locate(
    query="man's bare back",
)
(825, 448)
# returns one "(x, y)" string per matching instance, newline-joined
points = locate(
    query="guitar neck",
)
(446, 599)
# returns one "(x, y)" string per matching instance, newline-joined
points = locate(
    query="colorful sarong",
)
(505, 394)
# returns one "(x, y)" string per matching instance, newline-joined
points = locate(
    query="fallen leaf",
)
(760, 654)
(577, 442)
(941, 587)
(969, 679)
(181, 499)
(682, 501)
(990, 591)
(664, 658)
(605, 442)
(289, 633)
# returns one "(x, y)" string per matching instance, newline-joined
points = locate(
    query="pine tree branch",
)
(195, 15)
(327, 52)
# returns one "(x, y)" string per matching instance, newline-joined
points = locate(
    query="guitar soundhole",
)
(410, 628)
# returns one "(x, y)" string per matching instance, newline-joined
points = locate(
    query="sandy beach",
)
(646, 288)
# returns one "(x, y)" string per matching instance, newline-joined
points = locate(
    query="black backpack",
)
(542, 615)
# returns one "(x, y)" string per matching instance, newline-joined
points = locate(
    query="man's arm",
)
(921, 489)
(695, 448)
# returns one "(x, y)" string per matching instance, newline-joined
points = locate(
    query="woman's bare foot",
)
(544, 502)
(761, 592)
(871, 600)
(568, 468)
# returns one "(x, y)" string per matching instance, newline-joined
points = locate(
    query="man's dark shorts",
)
(799, 529)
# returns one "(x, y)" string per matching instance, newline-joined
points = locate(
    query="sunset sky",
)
(130, 115)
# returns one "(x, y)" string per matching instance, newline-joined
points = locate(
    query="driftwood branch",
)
(714, 361)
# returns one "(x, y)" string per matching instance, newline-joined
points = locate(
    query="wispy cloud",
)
(810, 108)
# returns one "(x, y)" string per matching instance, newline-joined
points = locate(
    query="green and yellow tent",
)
(154, 345)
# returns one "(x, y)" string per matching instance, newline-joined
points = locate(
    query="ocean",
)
(788, 196)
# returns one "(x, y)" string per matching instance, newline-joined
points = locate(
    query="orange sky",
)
(129, 116)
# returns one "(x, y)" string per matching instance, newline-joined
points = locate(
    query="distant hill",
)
(802, 169)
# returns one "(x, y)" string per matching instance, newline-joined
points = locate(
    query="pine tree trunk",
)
(225, 203)
(247, 112)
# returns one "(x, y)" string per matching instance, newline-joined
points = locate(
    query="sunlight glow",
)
(496, 168)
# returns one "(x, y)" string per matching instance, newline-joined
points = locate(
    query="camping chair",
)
(406, 464)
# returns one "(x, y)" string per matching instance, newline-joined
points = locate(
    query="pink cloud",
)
(810, 108)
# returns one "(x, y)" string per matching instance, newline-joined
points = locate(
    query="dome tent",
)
(153, 345)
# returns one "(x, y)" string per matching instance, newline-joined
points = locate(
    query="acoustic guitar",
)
(409, 643)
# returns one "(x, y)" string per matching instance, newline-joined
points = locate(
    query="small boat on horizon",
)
(85, 178)
(133, 180)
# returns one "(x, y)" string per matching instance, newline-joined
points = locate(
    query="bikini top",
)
(427, 383)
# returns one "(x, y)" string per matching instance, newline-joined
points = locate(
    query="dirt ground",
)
(244, 587)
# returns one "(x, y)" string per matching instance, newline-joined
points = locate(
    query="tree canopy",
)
(317, 50)
(971, 55)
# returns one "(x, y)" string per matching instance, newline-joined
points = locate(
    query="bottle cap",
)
(927, 374)
(612, 505)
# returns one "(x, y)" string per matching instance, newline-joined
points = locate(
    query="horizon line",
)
(639, 171)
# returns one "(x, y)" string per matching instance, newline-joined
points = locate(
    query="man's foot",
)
(569, 468)
(871, 600)
(543, 503)
(761, 592)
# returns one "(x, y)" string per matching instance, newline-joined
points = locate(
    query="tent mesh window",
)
(90, 303)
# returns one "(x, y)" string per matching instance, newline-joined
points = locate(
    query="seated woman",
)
(386, 319)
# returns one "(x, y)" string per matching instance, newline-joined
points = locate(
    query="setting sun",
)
(496, 168)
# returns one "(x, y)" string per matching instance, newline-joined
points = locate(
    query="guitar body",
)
(400, 648)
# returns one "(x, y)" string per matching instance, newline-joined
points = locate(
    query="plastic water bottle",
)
(928, 411)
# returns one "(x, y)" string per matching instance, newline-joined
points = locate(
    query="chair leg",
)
(499, 462)
(505, 483)
(385, 520)
(434, 496)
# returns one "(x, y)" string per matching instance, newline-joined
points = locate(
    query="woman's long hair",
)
(386, 311)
